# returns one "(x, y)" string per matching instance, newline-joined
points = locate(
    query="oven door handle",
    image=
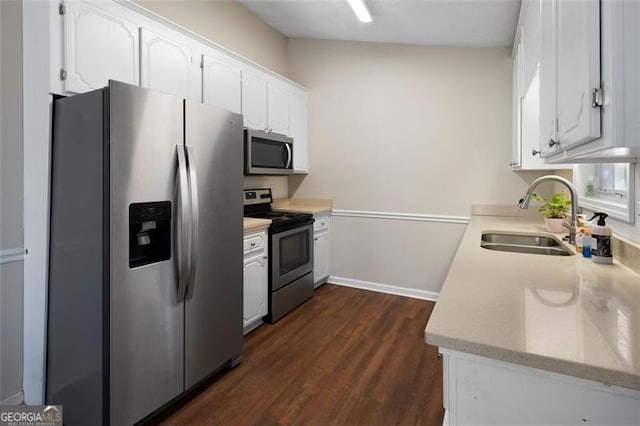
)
(289, 155)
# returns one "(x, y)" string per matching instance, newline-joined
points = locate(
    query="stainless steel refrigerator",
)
(145, 268)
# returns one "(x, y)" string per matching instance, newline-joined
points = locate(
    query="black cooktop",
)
(257, 204)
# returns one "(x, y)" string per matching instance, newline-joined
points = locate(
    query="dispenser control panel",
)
(149, 233)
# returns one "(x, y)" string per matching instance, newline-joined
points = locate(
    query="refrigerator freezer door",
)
(146, 318)
(213, 316)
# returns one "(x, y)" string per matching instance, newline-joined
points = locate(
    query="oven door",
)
(291, 255)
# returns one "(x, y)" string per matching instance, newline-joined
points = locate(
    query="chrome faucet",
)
(573, 226)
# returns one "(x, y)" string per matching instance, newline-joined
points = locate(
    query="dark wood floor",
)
(346, 357)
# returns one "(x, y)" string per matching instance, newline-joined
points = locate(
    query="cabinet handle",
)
(439, 355)
(536, 152)
(553, 143)
(315, 239)
(253, 244)
(265, 257)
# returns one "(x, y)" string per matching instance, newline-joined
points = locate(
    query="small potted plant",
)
(554, 210)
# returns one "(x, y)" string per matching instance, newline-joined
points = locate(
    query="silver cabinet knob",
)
(553, 143)
(535, 152)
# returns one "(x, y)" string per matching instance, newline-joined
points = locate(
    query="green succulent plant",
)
(556, 207)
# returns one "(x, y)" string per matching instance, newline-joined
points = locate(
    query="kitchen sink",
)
(524, 243)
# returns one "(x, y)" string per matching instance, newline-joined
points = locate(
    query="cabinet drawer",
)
(321, 223)
(254, 242)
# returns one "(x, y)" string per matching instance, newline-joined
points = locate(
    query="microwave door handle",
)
(195, 218)
(185, 221)
(289, 156)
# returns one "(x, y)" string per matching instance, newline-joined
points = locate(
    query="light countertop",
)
(303, 205)
(564, 314)
(253, 224)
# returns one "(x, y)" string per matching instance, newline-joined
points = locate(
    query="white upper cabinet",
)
(222, 81)
(98, 41)
(591, 45)
(266, 102)
(530, 43)
(167, 63)
(98, 47)
(254, 98)
(569, 73)
(620, 56)
(527, 93)
(300, 130)
(516, 143)
(578, 29)
(278, 106)
(548, 82)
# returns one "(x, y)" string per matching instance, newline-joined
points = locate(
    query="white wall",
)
(229, 24)
(11, 193)
(405, 129)
(238, 29)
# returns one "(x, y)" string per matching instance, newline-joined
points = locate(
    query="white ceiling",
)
(475, 23)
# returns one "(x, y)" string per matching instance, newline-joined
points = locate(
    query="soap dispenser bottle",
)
(601, 240)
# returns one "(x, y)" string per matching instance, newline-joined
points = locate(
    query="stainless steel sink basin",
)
(524, 243)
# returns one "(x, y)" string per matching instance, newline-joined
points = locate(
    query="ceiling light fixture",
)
(361, 10)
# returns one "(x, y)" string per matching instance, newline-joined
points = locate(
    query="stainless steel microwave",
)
(267, 153)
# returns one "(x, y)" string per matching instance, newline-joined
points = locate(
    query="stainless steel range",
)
(290, 253)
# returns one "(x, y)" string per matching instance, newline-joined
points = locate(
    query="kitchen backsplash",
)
(627, 253)
(279, 184)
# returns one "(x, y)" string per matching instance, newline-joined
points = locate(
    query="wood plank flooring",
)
(346, 357)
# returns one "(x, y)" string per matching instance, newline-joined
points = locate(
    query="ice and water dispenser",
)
(149, 233)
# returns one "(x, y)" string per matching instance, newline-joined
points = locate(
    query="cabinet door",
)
(255, 289)
(578, 71)
(516, 125)
(530, 33)
(98, 46)
(278, 107)
(320, 256)
(222, 81)
(166, 64)
(300, 130)
(254, 98)
(548, 110)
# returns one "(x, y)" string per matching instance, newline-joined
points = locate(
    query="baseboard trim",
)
(15, 399)
(414, 217)
(384, 288)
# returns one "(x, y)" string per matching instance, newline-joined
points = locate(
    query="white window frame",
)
(608, 202)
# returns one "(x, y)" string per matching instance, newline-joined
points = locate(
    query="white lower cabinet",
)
(321, 249)
(256, 269)
(479, 390)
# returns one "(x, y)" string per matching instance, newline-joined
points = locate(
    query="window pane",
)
(621, 171)
(606, 187)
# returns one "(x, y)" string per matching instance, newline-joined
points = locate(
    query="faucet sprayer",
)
(572, 227)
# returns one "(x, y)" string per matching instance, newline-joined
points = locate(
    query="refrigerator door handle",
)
(195, 222)
(184, 249)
